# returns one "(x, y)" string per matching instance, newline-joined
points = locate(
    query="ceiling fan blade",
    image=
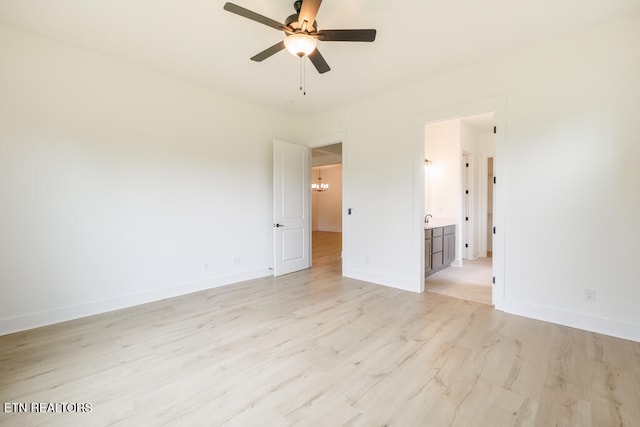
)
(367, 35)
(249, 14)
(318, 61)
(268, 52)
(308, 12)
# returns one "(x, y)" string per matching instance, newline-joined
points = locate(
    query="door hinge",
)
(466, 218)
(466, 165)
(494, 179)
(494, 230)
(466, 191)
(495, 129)
(493, 280)
(466, 245)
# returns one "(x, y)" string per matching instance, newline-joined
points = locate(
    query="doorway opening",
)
(459, 193)
(326, 207)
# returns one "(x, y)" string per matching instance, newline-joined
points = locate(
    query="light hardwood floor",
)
(316, 349)
(327, 250)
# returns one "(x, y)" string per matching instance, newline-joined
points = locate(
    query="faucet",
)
(427, 217)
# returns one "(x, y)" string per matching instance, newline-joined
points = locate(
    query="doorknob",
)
(278, 225)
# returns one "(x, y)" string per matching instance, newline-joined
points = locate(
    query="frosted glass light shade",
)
(300, 44)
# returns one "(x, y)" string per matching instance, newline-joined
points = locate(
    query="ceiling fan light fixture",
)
(300, 44)
(301, 34)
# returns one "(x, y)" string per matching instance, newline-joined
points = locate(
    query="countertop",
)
(436, 224)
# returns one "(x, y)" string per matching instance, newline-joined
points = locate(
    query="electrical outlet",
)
(237, 260)
(590, 295)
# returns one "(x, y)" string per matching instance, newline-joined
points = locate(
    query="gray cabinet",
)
(436, 249)
(449, 244)
(439, 248)
(427, 250)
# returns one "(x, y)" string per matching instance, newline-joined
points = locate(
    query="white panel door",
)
(467, 203)
(291, 208)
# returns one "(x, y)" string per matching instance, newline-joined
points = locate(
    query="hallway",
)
(326, 250)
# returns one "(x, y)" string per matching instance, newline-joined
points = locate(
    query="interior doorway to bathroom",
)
(459, 191)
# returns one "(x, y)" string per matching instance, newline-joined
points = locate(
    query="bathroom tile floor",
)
(472, 281)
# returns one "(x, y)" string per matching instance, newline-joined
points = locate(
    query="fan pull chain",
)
(303, 76)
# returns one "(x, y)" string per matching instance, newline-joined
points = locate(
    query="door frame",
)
(496, 104)
(484, 200)
(321, 141)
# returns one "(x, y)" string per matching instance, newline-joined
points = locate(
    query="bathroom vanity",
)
(439, 247)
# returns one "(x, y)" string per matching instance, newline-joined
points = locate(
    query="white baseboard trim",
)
(62, 314)
(391, 282)
(615, 328)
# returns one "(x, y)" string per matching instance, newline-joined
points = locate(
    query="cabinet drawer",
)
(450, 229)
(436, 244)
(436, 231)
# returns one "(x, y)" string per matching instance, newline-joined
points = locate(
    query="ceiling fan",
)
(302, 34)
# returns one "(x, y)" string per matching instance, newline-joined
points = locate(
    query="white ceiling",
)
(197, 40)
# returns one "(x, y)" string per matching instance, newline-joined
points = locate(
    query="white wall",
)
(571, 111)
(120, 186)
(442, 177)
(327, 205)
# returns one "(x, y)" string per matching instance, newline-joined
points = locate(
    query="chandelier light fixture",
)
(319, 186)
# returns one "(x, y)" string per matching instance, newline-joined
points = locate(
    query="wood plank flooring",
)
(327, 250)
(316, 349)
